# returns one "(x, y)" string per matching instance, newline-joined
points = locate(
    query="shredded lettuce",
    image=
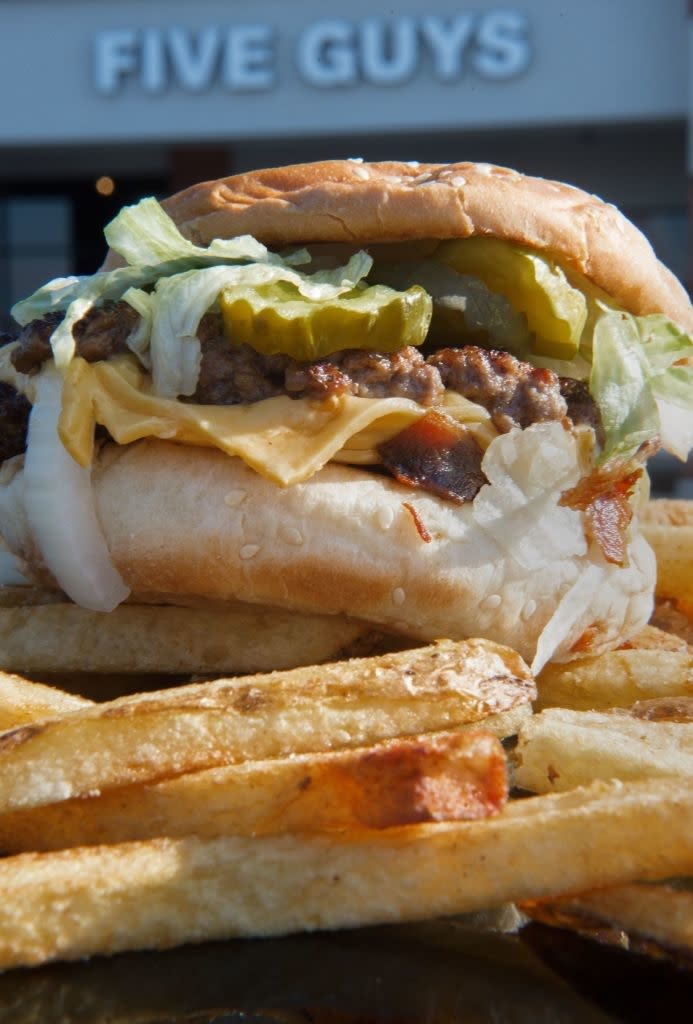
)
(144, 235)
(138, 340)
(641, 391)
(155, 250)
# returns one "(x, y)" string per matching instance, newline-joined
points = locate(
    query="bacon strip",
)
(438, 455)
(604, 496)
(418, 522)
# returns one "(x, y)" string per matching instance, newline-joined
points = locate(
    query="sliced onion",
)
(61, 511)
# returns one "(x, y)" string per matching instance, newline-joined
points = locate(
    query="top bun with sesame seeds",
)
(531, 539)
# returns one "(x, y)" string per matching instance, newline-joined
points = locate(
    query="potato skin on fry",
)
(560, 749)
(441, 777)
(139, 639)
(667, 525)
(155, 736)
(23, 701)
(616, 679)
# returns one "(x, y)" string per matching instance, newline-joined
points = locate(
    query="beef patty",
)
(515, 393)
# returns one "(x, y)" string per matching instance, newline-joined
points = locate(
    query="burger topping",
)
(401, 374)
(512, 297)
(230, 375)
(604, 498)
(515, 393)
(438, 455)
(14, 415)
(14, 418)
(534, 284)
(101, 333)
(276, 318)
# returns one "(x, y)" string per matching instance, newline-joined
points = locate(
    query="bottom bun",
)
(512, 565)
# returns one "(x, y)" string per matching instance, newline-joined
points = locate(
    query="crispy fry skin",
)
(668, 526)
(616, 679)
(159, 893)
(443, 777)
(22, 701)
(58, 637)
(159, 735)
(560, 749)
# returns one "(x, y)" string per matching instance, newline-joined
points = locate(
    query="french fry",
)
(664, 709)
(615, 679)
(22, 701)
(655, 638)
(668, 526)
(53, 637)
(560, 749)
(673, 620)
(653, 918)
(153, 736)
(444, 777)
(161, 892)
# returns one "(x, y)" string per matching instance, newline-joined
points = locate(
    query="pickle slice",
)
(534, 285)
(276, 318)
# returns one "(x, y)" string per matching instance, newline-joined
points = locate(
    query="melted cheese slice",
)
(286, 440)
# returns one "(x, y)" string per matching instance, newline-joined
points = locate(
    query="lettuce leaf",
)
(144, 235)
(642, 388)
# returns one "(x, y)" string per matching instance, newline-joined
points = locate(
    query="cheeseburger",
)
(420, 396)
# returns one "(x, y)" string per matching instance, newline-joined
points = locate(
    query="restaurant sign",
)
(329, 53)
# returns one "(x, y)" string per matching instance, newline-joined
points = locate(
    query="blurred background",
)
(104, 101)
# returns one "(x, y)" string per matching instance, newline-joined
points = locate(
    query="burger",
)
(414, 395)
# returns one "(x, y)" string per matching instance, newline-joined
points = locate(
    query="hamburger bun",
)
(517, 564)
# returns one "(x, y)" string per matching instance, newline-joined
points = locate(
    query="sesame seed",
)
(234, 498)
(290, 535)
(529, 609)
(398, 596)
(492, 601)
(249, 550)
(386, 517)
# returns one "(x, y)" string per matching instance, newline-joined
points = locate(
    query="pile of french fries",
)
(430, 781)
